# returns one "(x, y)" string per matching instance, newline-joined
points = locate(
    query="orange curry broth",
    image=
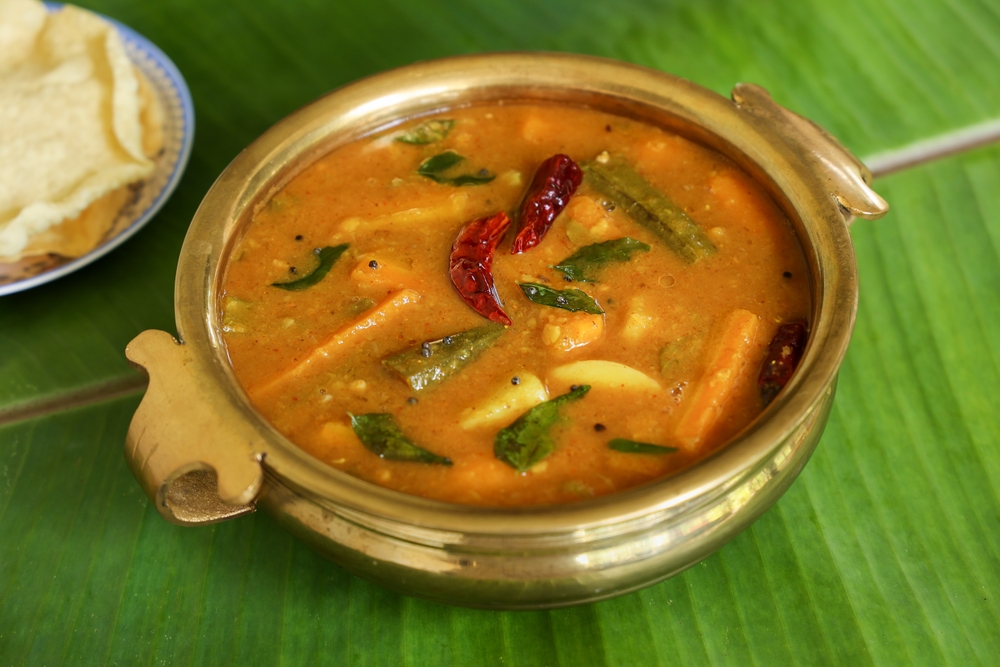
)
(368, 194)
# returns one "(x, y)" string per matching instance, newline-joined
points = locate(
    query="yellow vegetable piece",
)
(538, 129)
(457, 208)
(507, 403)
(737, 196)
(586, 211)
(337, 440)
(573, 330)
(639, 321)
(592, 216)
(603, 374)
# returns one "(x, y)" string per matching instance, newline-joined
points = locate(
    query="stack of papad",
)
(78, 124)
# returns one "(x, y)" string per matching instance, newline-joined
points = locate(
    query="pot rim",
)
(774, 148)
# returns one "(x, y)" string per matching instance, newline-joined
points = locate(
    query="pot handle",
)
(846, 177)
(191, 450)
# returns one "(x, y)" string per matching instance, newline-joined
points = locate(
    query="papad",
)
(70, 120)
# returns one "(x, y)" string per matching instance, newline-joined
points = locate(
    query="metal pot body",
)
(203, 454)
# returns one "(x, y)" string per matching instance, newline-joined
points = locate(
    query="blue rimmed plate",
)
(149, 195)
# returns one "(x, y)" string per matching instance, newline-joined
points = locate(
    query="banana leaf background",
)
(885, 551)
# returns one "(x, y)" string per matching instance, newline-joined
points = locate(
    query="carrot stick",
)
(338, 343)
(728, 357)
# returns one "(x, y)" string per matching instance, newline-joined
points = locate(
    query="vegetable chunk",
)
(509, 400)
(729, 354)
(604, 374)
(389, 310)
(427, 132)
(639, 321)
(588, 212)
(618, 181)
(373, 271)
(570, 332)
(455, 208)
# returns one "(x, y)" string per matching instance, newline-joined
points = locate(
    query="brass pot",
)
(203, 454)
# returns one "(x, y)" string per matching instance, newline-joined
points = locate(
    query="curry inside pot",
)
(516, 304)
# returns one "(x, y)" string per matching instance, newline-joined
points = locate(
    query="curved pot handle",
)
(846, 177)
(189, 447)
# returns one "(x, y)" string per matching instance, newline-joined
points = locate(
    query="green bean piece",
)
(380, 433)
(234, 313)
(359, 305)
(427, 132)
(581, 265)
(679, 352)
(649, 207)
(433, 362)
(528, 440)
(572, 300)
(635, 447)
(328, 256)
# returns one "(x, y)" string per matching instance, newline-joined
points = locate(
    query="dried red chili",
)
(554, 183)
(783, 357)
(471, 265)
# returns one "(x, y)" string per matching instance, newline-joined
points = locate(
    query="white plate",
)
(148, 196)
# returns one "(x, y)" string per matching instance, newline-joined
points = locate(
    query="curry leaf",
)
(479, 178)
(573, 300)
(327, 256)
(382, 436)
(582, 264)
(528, 440)
(434, 168)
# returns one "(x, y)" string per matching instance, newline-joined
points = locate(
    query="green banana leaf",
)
(885, 551)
